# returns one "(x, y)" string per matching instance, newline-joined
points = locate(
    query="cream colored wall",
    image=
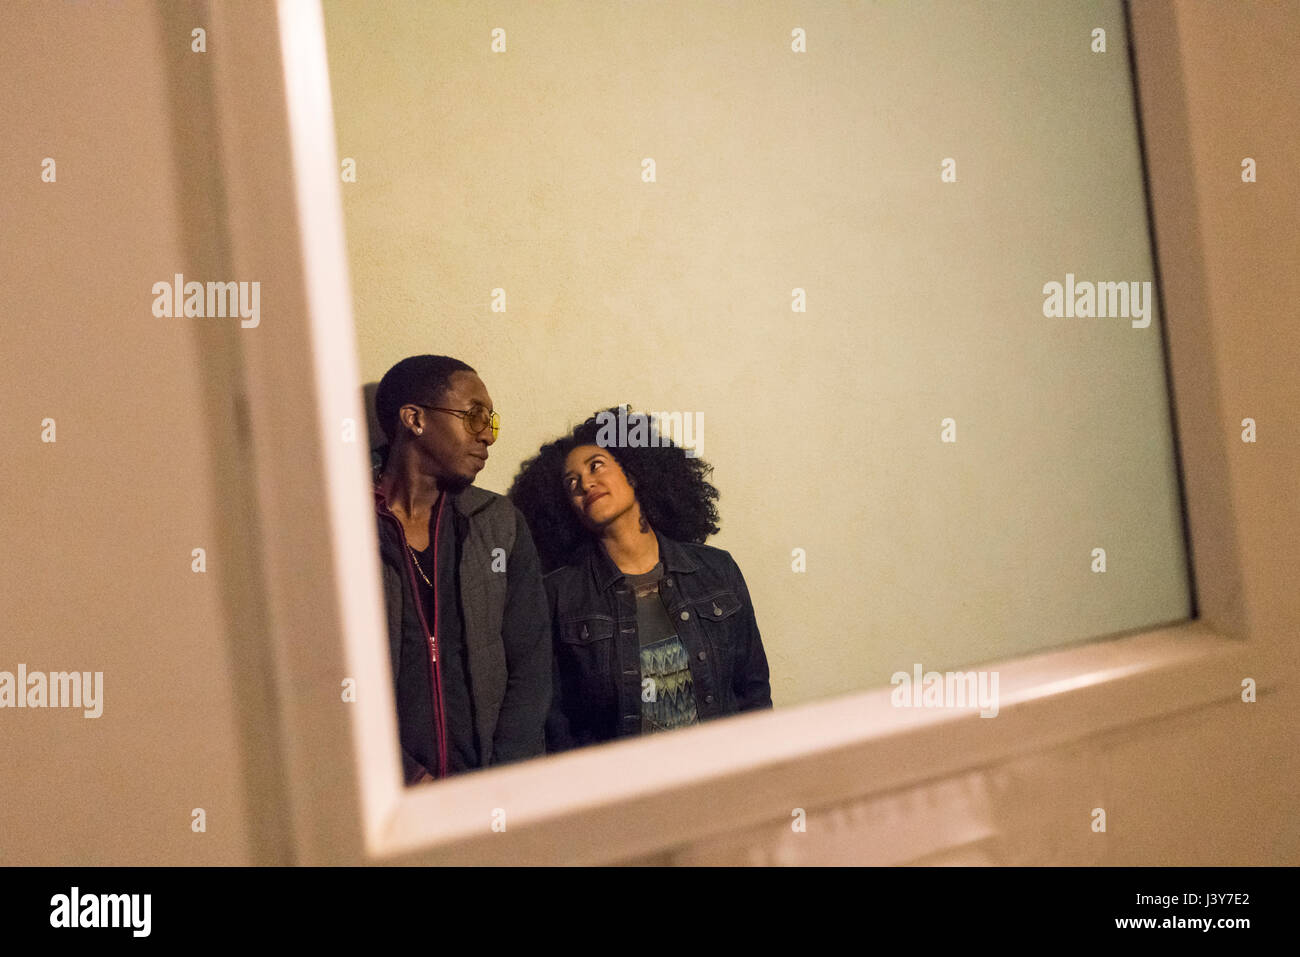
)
(100, 524)
(776, 170)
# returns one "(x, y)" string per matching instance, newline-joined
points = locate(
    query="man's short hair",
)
(416, 380)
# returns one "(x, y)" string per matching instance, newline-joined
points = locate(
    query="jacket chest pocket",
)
(719, 620)
(587, 649)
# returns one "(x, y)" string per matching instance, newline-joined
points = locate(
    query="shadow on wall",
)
(373, 428)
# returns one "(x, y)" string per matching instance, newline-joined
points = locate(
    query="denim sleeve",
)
(562, 728)
(752, 686)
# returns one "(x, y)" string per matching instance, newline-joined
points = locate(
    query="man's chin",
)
(457, 483)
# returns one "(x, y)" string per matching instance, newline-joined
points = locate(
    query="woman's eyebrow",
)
(587, 461)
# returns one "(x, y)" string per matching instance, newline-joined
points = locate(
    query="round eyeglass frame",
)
(487, 418)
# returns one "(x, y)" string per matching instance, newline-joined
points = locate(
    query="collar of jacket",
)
(605, 573)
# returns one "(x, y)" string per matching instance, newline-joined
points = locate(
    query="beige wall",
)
(522, 170)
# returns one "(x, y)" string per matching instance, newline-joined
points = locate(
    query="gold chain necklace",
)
(417, 565)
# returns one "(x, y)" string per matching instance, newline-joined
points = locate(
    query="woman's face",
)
(597, 487)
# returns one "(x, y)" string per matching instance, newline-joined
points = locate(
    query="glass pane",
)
(818, 233)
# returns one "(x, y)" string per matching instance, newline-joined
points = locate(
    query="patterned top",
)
(667, 690)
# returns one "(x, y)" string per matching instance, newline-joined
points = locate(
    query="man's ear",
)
(407, 415)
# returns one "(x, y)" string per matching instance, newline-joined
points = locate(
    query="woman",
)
(653, 629)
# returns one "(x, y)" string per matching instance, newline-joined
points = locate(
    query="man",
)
(468, 624)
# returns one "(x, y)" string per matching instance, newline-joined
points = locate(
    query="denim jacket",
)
(597, 680)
